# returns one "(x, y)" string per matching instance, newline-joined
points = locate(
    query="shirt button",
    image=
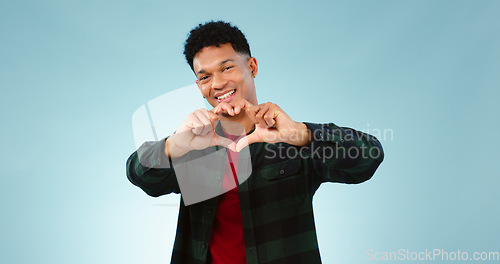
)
(210, 211)
(203, 245)
(282, 171)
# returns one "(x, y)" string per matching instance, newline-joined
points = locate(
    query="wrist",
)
(171, 148)
(300, 135)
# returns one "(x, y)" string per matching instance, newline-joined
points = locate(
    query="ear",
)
(252, 64)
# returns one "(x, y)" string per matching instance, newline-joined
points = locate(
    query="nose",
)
(218, 81)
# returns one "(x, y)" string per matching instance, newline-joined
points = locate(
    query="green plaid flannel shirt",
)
(276, 200)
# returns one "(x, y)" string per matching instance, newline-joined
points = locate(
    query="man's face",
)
(223, 75)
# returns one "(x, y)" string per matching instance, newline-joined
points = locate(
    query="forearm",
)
(149, 169)
(344, 154)
(172, 150)
(300, 135)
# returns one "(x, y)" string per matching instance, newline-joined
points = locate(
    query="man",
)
(268, 218)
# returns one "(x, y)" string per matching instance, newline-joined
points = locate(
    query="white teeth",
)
(224, 96)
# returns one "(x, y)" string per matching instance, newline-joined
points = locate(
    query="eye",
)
(227, 68)
(203, 78)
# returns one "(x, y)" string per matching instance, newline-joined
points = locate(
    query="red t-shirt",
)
(227, 245)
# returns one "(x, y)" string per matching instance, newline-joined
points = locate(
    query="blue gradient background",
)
(73, 72)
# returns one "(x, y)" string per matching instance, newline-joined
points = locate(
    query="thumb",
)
(224, 142)
(247, 140)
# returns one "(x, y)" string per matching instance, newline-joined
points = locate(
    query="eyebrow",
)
(222, 63)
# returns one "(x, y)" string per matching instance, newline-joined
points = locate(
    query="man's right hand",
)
(195, 133)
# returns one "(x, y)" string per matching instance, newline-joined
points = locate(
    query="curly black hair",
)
(214, 33)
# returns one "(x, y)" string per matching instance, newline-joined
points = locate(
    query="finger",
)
(237, 106)
(247, 104)
(217, 110)
(251, 111)
(237, 109)
(228, 109)
(259, 116)
(207, 123)
(212, 116)
(241, 104)
(196, 126)
(269, 117)
(232, 146)
(247, 140)
(224, 142)
(224, 108)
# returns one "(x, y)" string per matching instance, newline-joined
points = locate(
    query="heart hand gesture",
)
(272, 124)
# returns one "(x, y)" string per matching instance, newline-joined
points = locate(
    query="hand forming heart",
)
(272, 124)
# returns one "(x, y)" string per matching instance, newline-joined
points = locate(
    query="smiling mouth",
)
(226, 95)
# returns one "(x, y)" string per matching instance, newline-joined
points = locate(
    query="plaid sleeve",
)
(150, 169)
(341, 154)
